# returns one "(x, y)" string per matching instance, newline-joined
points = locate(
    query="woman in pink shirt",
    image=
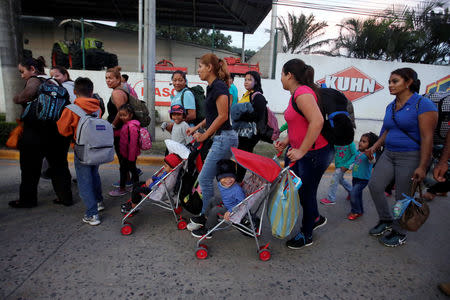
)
(310, 151)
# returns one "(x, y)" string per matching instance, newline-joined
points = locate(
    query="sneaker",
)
(319, 222)
(325, 201)
(299, 241)
(393, 239)
(381, 228)
(118, 192)
(199, 220)
(193, 226)
(127, 207)
(100, 206)
(352, 216)
(92, 220)
(140, 172)
(127, 184)
(199, 233)
(20, 204)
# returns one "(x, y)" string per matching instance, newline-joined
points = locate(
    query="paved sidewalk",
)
(48, 253)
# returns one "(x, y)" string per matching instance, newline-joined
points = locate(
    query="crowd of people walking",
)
(406, 138)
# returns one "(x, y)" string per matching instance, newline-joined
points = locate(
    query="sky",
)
(262, 36)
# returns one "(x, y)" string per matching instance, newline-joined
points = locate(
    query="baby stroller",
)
(162, 193)
(264, 174)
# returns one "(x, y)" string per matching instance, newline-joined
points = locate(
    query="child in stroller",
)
(170, 162)
(231, 193)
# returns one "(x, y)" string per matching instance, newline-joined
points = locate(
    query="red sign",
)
(352, 82)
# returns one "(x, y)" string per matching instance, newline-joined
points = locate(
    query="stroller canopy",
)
(262, 166)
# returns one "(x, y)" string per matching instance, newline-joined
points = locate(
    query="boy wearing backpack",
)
(89, 183)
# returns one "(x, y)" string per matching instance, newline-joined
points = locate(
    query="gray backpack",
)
(95, 139)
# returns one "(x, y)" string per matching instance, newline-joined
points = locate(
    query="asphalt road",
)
(48, 253)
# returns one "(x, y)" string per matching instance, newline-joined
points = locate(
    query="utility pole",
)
(149, 74)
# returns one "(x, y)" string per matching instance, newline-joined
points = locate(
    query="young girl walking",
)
(362, 169)
(343, 158)
(129, 148)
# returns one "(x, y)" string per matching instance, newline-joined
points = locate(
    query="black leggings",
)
(41, 140)
(125, 166)
(248, 145)
(138, 188)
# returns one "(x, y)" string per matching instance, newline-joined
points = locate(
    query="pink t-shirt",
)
(298, 125)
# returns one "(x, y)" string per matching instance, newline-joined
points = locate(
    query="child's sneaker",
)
(92, 220)
(199, 233)
(325, 201)
(127, 184)
(100, 206)
(352, 216)
(118, 192)
(199, 220)
(127, 207)
(193, 226)
(140, 172)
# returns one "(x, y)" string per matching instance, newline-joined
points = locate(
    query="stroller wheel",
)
(178, 210)
(201, 253)
(264, 255)
(182, 224)
(126, 229)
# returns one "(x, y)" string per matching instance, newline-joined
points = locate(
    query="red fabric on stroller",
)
(265, 167)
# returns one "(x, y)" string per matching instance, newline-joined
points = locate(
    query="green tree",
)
(301, 33)
(199, 36)
(415, 35)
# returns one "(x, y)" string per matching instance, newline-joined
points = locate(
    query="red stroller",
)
(264, 174)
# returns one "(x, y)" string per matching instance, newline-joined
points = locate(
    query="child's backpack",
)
(94, 144)
(338, 126)
(272, 131)
(199, 95)
(49, 104)
(140, 109)
(145, 140)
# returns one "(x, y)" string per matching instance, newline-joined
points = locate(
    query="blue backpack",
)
(49, 104)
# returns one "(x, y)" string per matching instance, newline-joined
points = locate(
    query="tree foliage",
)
(199, 36)
(415, 35)
(301, 33)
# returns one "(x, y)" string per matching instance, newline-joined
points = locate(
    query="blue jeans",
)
(89, 186)
(356, 195)
(338, 178)
(310, 169)
(220, 149)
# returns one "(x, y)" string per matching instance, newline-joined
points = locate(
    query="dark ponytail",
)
(407, 74)
(303, 73)
(37, 63)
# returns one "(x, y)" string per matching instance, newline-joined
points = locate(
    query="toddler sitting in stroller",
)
(231, 193)
(170, 162)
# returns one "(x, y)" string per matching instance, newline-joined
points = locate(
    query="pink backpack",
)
(145, 140)
(272, 123)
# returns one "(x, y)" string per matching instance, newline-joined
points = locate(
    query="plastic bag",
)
(284, 208)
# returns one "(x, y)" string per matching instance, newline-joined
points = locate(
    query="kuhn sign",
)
(352, 82)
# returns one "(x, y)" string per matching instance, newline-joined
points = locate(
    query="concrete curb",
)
(148, 160)
(142, 160)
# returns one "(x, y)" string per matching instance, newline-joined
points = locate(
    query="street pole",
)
(273, 50)
(140, 38)
(82, 44)
(149, 74)
(243, 47)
